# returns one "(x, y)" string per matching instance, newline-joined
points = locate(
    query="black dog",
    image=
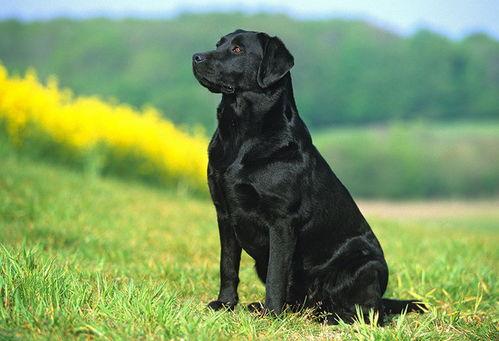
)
(277, 198)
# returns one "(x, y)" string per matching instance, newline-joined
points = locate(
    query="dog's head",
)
(242, 61)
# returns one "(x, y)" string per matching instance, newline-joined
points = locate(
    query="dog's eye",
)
(237, 49)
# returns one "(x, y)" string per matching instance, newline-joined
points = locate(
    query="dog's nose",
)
(198, 57)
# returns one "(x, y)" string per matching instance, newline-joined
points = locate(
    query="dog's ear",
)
(276, 62)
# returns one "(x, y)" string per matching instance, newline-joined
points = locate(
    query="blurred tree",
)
(347, 72)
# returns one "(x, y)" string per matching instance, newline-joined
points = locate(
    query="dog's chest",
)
(254, 176)
(230, 181)
(236, 187)
(240, 201)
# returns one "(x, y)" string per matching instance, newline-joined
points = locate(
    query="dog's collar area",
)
(227, 89)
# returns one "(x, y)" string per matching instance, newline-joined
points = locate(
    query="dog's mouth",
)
(212, 86)
(208, 84)
(216, 88)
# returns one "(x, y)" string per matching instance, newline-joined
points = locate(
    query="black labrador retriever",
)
(277, 198)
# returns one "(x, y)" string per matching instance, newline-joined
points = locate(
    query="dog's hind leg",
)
(357, 292)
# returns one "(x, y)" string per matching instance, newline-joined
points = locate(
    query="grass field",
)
(90, 258)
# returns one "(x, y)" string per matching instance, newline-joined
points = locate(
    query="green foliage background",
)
(346, 71)
(417, 160)
(382, 107)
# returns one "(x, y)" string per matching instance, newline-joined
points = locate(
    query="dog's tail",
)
(398, 306)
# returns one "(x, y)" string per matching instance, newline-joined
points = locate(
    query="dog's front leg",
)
(282, 247)
(230, 258)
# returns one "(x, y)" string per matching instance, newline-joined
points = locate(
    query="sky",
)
(454, 18)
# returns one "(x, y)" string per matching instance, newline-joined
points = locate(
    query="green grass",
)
(89, 258)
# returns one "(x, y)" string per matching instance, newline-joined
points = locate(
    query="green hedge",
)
(415, 160)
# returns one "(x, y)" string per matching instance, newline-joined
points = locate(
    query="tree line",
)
(346, 71)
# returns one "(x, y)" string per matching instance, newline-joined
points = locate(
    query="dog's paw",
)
(219, 305)
(257, 308)
(263, 310)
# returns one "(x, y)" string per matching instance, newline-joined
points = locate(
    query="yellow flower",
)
(81, 125)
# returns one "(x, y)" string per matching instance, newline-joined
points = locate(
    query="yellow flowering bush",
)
(122, 139)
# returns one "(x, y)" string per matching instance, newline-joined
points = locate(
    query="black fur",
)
(277, 198)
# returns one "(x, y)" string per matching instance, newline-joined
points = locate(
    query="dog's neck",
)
(266, 109)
